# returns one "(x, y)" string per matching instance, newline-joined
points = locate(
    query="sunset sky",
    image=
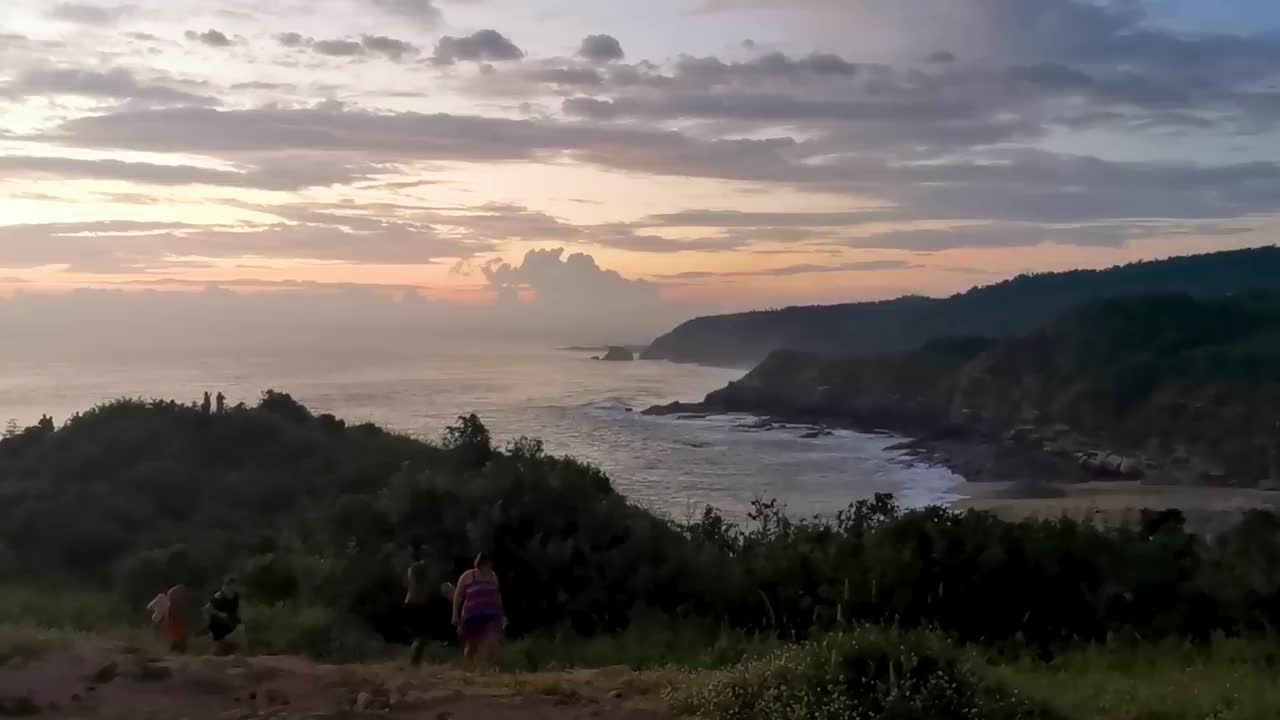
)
(706, 155)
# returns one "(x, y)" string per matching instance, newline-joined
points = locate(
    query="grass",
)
(1230, 680)
(322, 634)
(649, 644)
(67, 610)
(1226, 680)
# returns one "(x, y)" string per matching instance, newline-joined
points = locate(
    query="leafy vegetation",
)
(1165, 376)
(316, 518)
(1005, 309)
(866, 674)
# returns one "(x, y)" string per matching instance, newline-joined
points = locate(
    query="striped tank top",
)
(480, 599)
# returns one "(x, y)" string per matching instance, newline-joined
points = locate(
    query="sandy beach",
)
(1206, 508)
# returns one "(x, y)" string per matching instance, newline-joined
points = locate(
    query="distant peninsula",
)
(1005, 309)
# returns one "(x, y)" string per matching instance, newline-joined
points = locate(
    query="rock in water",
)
(618, 354)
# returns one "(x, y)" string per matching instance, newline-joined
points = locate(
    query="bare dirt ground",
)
(121, 684)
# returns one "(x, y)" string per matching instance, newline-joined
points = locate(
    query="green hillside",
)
(1001, 310)
(1192, 384)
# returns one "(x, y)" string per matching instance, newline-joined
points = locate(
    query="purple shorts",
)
(477, 627)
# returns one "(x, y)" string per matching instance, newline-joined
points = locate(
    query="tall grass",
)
(1226, 680)
(81, 610)
(650, 643)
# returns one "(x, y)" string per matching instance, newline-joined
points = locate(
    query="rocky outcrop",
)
(618, 354)
(1108, 464)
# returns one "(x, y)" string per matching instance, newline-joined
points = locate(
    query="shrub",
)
(144, 574)
(866, 674)
(316, 632)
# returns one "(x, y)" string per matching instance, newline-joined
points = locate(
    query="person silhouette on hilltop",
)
(222, 403)
(204, 406)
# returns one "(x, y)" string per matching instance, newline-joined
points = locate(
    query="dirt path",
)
(116, 684)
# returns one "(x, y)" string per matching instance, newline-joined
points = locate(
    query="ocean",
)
(576, 405)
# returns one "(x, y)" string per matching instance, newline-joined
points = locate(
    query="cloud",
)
(581, 76)
(99, 15)
(211, 37)
(481, 46)
(601, 48)
(1026, 234)
(338, 48)
(421, 11)
(573, 283)
(996, 184)
(790, 270)
(119, 246)
(117, 83)
(388, 46)
(264, 85)
(293, 39)
(281, 174)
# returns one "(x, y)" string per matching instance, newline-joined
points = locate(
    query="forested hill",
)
(1190, 387)
(1007, 308)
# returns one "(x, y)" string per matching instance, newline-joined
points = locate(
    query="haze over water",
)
(577, 406)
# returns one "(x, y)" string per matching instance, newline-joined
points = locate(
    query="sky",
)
(611, 167)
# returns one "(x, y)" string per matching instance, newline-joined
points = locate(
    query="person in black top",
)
(224, 614)
(416, 615)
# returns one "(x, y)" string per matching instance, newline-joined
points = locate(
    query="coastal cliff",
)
(1170, 388)
(1005, 309)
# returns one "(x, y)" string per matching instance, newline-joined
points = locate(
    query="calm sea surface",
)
(576, 405)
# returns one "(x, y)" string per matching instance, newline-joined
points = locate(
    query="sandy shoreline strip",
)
(1206, 508)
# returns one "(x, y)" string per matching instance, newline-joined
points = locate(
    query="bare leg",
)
(419, 648)
(489, 647)
(469, 652)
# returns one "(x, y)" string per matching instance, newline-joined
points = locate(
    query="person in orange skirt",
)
(170, 610)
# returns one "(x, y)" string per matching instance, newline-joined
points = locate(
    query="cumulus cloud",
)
(99, 15)
(210, 37)
(481, 46)
(573, 283)
(965, 129)
(601, 48)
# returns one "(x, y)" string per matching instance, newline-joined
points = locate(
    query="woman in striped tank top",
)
(477, 612)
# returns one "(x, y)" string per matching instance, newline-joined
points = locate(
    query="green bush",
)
(142, 575)
(312, 513)
(315, 632)
(866, 674)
